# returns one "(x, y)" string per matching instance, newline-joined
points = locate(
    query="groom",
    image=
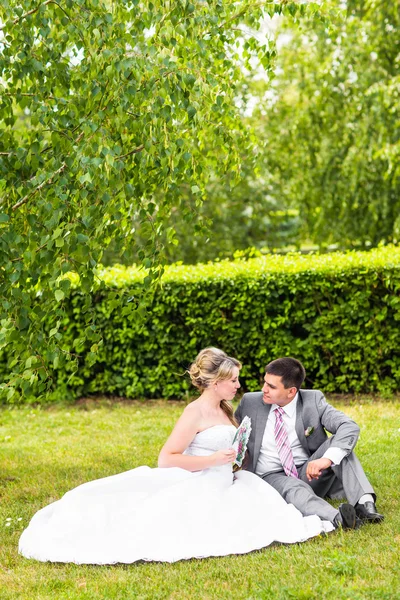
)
(290, 450)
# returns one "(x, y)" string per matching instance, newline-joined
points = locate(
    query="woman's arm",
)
(183, 433)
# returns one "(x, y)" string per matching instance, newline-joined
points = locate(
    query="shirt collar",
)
(290, 409)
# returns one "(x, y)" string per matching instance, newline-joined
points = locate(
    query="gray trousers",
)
(346, 480)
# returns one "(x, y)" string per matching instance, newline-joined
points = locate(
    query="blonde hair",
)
(210, 366)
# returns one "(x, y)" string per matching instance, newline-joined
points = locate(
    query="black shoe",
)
(359, 523)
(347, 517)
(368, 512)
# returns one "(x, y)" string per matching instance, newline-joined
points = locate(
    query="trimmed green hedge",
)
(338, 313)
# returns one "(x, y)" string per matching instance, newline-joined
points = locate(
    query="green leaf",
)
(15, 276)
(191, 111)
(29, 361)
(59, 295)
(85, 178)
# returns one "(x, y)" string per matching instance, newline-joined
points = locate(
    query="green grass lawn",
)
(47, 452)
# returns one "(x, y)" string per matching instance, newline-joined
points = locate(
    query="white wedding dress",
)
(167, 515)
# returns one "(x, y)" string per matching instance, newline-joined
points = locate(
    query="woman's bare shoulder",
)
(193, 414)
(192, 410)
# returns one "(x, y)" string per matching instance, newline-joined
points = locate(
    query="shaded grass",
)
(47, 452)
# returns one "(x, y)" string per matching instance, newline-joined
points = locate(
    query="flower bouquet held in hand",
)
(240, 440)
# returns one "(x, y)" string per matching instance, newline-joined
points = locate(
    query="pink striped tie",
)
(283, 446)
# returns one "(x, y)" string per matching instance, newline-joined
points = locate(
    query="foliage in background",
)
(107, 111)
(330, 123)
(235, 218)
(338, 313)
(327, 149)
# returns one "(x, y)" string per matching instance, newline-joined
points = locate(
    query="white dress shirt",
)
(269, 461)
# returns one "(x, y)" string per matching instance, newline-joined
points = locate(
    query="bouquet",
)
(240, 440)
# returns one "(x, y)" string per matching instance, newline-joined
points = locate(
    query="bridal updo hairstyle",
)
(210, 366)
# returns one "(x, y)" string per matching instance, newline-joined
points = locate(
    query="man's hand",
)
(315, 468)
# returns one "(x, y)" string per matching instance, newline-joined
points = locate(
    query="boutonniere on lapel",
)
(308, 431)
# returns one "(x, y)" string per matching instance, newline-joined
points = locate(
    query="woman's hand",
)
(223, 457)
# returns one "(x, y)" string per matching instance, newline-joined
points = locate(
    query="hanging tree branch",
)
(134, 151)
(30, 12)
(25, 199)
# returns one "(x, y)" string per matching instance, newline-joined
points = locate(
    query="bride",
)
(191, 506)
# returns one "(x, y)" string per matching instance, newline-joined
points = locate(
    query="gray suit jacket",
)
(312, 411)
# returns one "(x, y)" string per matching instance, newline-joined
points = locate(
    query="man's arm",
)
(346, 433)
(345, 430)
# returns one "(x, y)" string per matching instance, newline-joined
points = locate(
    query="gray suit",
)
(347, 479)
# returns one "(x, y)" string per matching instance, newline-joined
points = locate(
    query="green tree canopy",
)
(324, 165)
(330, 122)
(107, 111)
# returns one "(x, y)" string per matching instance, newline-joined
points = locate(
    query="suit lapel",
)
(261, 421)
(300, 423)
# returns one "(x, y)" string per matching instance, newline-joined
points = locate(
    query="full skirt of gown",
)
(167, 515)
